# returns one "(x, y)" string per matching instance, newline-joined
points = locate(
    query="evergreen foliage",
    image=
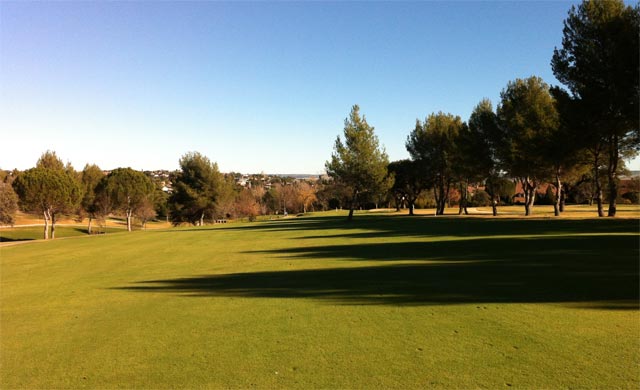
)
(359, 163)
(599, 64)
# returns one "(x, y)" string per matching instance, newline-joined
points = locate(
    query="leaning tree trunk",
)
(612, 174)
(46, 224)
(89, 227)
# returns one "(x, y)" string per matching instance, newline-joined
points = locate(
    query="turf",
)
(383, 302)
(31, 233)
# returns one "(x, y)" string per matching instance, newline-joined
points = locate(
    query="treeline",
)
(200, 194)
(574, 139)
(578, 136)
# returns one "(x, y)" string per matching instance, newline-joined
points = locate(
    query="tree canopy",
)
(124, 190)
(197, 187)
(433, 144)
(47, 192)
(359, 162)
(527, 119)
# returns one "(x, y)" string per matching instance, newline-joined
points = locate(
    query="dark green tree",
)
(480, 151)
(49, 192)
(599, 64)
(90, 177)
(8, 204)
(433, 144)
(124, 190)
(196, 189)
(50, 160)
(408, 183)
(359, 163)
(528, 120)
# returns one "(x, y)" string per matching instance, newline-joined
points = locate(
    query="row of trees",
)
(201, 194)
(53, 188)
(537, 134)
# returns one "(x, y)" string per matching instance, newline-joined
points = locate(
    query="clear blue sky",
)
(254, 86)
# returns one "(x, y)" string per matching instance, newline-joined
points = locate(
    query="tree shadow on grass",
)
(592, 271)
(378, 226)
(14, 239)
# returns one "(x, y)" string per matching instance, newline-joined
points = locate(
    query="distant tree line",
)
(574, 140)
(201, 194)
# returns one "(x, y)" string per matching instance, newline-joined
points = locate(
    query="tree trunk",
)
(352, 205)
(529, 187)
(129, 212)
(612, 172)
(556, 204)
(598, 185)
(53, 226)
(462, 200)
(89, 227)
(46, 224)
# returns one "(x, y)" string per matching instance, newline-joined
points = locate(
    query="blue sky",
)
(254, 86)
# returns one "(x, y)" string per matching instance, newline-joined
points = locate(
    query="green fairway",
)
(315, 302)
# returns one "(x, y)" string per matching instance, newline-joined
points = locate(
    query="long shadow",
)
(595, 271)
(10, 239)
(377, 226)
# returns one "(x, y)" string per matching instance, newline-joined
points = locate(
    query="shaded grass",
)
(384, 302)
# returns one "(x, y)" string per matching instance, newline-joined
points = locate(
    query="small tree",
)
(145, 211)
(408, 183)
(195, 189)
(359, 163)
(306, 194)
(48, 192)
(8, 204)
(91, 176)
(124, 190)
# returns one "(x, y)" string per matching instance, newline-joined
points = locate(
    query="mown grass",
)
(30, 233)
(383, 302)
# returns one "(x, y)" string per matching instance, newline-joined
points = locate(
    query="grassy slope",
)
(383, 302)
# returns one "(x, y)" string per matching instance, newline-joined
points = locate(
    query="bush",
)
(633, 197)
(480, 199)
